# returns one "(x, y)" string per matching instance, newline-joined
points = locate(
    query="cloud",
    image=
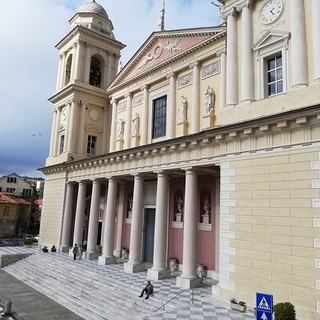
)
(29, 61)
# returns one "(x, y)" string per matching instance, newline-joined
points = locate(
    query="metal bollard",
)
(7, 308)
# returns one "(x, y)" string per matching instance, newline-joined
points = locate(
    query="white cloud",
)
(28, 62)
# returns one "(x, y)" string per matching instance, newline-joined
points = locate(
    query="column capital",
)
(171, 74)
(114, 100)
(145, 87)
(244, 4)
(194, 64)
(190, 170)
(227, 12)
(128, 95)
(221, 51)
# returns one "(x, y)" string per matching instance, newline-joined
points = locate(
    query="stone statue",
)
(183, 109)
(206, 205)
(179, 204)
(209, 100)
(121, 123)
(130, 200)
(135, 124)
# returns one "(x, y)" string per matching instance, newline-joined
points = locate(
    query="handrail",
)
(178, 294)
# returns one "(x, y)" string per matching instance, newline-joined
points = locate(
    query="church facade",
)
(202, 152)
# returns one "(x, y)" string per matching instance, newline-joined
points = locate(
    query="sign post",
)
(264, 306)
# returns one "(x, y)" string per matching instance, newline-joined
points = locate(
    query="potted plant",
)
(27, 242)
(284, 311)
(238, 305)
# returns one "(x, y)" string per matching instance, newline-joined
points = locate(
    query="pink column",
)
(108, 230)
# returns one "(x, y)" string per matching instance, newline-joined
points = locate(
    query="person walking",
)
(75, 251)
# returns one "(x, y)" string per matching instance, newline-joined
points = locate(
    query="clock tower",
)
(88, 61)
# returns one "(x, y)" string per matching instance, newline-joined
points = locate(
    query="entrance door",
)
(150, 215)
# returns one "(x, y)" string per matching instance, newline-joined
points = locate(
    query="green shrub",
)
(27, 242)
(284, 311)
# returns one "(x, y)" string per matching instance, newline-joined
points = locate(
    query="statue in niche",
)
(183, 109)
(135, 124)
(206, 209)
(179, 205)
(209, 101)
(130, 200)
(121, 123)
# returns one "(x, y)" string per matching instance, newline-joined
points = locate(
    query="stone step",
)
(49, 277)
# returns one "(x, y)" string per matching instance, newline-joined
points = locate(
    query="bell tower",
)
(88, 61)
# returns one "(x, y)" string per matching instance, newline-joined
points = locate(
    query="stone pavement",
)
(84, 290)
(30, 304)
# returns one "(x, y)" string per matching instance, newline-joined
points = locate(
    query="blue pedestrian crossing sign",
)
(261, 315)
(264, 303)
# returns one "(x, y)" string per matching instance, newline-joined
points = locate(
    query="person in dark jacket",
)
(148, 289)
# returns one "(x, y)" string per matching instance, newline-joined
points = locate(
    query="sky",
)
(29, 63)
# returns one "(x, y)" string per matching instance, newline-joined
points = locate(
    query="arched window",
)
(95, 72)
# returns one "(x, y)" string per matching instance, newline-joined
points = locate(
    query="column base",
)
(187, 283)
(91, 255)
(106, 260)
(70, 252)
(64, 248)
(158, 274)
(132, 268)
(117, 253)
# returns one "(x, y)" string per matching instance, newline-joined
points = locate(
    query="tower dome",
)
(93, 7)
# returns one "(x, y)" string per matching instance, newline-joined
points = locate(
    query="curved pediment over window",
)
(93, 128)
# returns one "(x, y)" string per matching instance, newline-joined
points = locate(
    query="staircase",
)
(92, 291)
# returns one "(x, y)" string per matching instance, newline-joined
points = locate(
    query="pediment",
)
(93, 128)
(270, 39)
(163, 46)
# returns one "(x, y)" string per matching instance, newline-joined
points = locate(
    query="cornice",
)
(78, 87)
(81, 30)
(301, 119)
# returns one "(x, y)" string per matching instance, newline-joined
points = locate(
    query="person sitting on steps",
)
(148, 289)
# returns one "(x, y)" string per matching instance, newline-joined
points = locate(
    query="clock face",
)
(271, 11)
